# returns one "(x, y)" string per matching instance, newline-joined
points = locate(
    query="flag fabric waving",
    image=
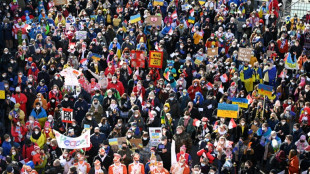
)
(174, 15)
(191, 19)
(289, 62)
(232, 124)
(135, 18)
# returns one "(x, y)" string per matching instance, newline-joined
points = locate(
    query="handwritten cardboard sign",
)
(60, 2)
(213, 51)
(156, 20)
(245, 54)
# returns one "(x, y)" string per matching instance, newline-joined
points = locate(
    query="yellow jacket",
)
(62, 21)
(40, 141)
(197, 38)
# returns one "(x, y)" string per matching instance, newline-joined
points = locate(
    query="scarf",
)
(36, 136)
(186, 122)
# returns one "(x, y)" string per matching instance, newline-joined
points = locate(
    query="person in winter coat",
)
(21, 99)
(55, 93)
(195, 87)
(89, 121)
(18, 131)
(80, 109)
(116, 85)
(293, 162)
(153, 120)
(27, 149)
(97, 110)
(17, 115)
(38, 137)
(184, 99)
(6, 145)
(104, 159)
(182, 138)
(39, 114)
(136, 117)
(33, 71)
(187, 123)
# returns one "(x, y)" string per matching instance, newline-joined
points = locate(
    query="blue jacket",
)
(42, 89)
(42, 114)
(6, 148)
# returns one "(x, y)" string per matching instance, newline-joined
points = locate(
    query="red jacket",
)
(192, 90)
(138, 92)
(15, 133)
(57, 96)
(33, 73)
(283, 47)
(27, 151)
(22, 100)
(118, 86)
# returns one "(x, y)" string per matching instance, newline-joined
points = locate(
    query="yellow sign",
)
(156, 59)
(2, 94)
(228, 114)
(241, 105)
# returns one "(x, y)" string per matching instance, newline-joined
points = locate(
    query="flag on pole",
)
(250, 100)
(167, 75)
(201, 2)
(232, 124)
(135, 18)
(170, 31)
(174, 15)
(191, 12)
(140, 98)
(193, 29)
(221, 89)
(215, 125)
(191, 19)
(224, 78)
(209, 85)
(158, 2)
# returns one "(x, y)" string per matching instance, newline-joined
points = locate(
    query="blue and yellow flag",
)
(241, 102)
(289, 62)
(158, 2)
(201, 2)
(265, 90)
(2, 91)
(135, 18)
(191, 19)
(227, 110)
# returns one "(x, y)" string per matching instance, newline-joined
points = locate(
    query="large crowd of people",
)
(88, 61)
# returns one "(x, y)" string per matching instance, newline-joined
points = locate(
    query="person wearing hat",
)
(117, 167)
(97, 169)
(104, 159)
(182, 138)
(160, 168)
(136, 166)
(180, 167)
(82, 165)
(20, 97)
(17, 115)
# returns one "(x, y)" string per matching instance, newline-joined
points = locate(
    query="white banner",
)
(80, 142)
(155, 135)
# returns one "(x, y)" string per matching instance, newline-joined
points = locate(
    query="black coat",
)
(240, 134)
(105, 162)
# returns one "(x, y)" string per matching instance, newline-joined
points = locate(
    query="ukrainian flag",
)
(2, 91)
(227, 110)
(135, 18)
(265, 90)
(96, 57)
(158, 2)
(201, 2)
(289, 62)
(191, 19)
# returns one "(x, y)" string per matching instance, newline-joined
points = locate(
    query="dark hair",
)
(297, 125)
(289, 137)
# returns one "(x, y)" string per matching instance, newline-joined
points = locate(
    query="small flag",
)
(201, 33)
(209, 85)
(193, 29)
(170, 31)
(215, 125)
(250, 100)
(135, 18)
(224, 78)
(140, 98)
(232, 124)
(191, 20)
(221, 89)
(2, 91)
(191, 12)
(167, 75)
(174, 15)
(281, 75)
(158, 2)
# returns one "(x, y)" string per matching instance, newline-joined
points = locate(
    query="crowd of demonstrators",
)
(114, 99)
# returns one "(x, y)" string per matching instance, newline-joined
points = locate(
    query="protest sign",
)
(155, 135)
(116, 143)
(60, 2)
(198, 60)
(265, 90)
(153, 19)
(135, 18)
(227, 110)
(80, 35)
(67, 115)
(137, 59)
(241, 102)
(245, 54)
(2, 91)
(158, 2)
(156, 59)
(80, 142)
(213, 51)
(135, 143)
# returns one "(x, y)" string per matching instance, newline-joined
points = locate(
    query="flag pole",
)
(264, 106)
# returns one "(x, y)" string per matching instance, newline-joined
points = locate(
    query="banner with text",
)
(80, 142)
(155, 135)
(156, 59)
